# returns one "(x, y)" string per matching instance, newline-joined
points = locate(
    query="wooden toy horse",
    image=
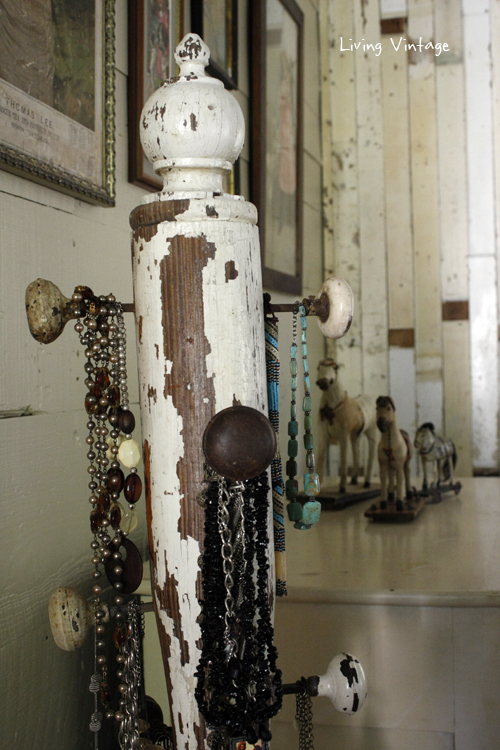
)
(344, 418)
(395, 451)
(438, 456)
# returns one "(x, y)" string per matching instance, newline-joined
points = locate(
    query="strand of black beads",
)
(208, 688)
(311, 509)
(269, 689)
(246, 682)
(294, 508)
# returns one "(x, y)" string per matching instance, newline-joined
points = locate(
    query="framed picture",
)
(155, 29)
(216, 21)
(57, 95)
(276, 139)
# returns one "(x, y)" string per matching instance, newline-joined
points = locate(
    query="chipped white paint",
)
(341, 201)
(484, 346)
(393, 8)
(403, 388)
(192, 134)
(457, 392)
(425, 206)
(229, 296)
(453, 216)
(372, 233)
(478, 87)
(483, 299)
(71, 618)
(394, 64)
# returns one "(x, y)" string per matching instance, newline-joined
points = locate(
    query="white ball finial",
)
(192, 129)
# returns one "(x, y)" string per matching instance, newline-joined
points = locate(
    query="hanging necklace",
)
(101, 329)
(304, 715)
(238, 684)
(308, 514)
(273, 398)
(312, 508)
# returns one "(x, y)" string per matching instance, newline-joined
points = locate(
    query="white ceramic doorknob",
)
(71, 617)
(344, 683)
(341, 302)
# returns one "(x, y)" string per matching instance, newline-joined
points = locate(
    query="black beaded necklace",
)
(238, 683)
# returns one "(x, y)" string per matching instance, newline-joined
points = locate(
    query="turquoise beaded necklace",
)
(308, 514)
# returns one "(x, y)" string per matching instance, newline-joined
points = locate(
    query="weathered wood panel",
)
(457, 392)
(200, 350)
(341, 191)
(483, 294)
(371, 188)
(397, 178)
(425, 207)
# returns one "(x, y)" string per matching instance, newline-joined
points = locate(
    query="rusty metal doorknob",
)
(239, 442)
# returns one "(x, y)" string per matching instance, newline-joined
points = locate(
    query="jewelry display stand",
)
(199, 314)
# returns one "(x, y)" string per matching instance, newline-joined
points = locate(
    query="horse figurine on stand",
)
(438, 458)
(395, 451)
(344, 419)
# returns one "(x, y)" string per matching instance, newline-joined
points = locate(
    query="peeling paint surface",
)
(201, 345)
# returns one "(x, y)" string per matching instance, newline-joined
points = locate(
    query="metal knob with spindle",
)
(333, 307)
(48, 310)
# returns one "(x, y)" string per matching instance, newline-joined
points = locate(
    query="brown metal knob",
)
(239, 442)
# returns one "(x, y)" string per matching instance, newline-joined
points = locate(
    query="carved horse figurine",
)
(395, 451)
(344, 418)
(438, 457)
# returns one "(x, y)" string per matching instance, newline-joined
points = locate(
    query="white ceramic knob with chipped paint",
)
(341, 299)
(344, 683)
(71, 617)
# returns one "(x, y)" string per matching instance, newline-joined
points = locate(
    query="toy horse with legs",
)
(395, 451)
(439, 458)
(344, 418)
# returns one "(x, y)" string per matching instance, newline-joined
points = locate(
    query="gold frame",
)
(14, 160)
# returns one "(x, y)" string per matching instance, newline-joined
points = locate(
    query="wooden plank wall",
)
(411, 172)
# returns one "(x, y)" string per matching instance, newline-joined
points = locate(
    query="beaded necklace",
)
(101, 329)
(273, 398)
(238, 684)
(308, 514)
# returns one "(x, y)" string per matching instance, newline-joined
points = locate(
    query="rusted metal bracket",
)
(318, 306)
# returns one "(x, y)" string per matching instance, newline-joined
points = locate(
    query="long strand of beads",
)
(103, 335)
(129, 452)
(312, 508)
(294, 508)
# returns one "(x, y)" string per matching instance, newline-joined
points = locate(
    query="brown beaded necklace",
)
(101, 329)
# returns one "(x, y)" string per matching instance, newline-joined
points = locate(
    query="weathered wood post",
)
(200, 334)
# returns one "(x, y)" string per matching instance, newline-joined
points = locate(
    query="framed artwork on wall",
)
(276, 139)
(57, 95)
(216, 21)
(155, 28)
